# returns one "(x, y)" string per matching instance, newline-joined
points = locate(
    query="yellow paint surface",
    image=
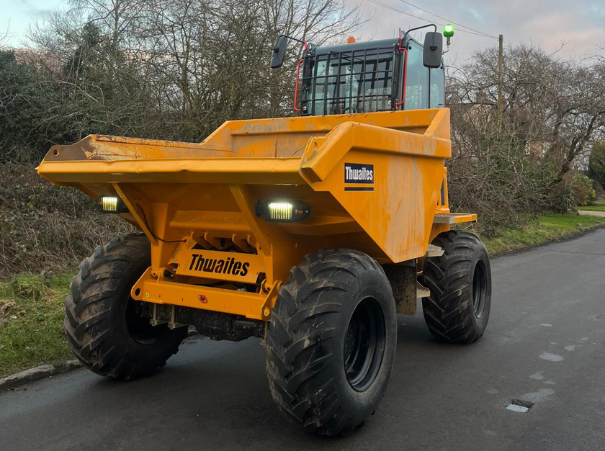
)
(195, 198)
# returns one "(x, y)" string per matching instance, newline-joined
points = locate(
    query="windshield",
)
(349, 82)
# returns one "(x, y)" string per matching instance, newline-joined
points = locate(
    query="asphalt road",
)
(545, 343)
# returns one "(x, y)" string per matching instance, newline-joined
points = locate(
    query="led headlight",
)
(282, 211)
(112, 204)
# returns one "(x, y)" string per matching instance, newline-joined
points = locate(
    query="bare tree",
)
(187, 64)
(553, 112)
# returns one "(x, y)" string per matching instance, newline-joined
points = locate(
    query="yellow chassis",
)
(196, 202)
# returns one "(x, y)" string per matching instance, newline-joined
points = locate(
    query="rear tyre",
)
(460, 283)
(331, 341)
(103, 328)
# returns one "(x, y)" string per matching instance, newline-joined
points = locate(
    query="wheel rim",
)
(364, 344)
(479, 289)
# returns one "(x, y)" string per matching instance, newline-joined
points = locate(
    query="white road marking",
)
(516, 408)
(551, 357)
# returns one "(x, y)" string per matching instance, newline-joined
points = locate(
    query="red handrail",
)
(298, 110)
(405, 70)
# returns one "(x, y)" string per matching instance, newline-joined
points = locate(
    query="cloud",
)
(546, 23)
(551, 30)
(32, 10)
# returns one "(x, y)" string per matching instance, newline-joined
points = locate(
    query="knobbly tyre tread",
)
(300, 373)
(448, 312)
(92, 330)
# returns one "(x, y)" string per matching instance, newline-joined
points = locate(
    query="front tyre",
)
(332, 341)
(460, 282)
(103, 328)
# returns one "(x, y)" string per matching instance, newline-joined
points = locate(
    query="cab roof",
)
(383, 43)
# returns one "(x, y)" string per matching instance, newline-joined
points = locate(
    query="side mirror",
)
(279, 52)
(433, 50)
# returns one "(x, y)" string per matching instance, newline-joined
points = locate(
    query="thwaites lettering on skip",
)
(359, 174)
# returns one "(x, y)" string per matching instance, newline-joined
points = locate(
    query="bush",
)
(581, 186)
(596, 162)
(43, 227)
(494, 177)
(20, 110)
(575, 189)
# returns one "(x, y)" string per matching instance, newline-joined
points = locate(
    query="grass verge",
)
(31, 305)
(545, 229)
(595, 206)
(31, 322)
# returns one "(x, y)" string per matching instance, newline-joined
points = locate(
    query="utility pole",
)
(500, 79)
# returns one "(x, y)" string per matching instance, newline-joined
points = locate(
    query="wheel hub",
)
(364, 344)
(479, 289)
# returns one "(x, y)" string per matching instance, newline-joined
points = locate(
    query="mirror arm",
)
(448, 45)
(419, 28)
(304, 43)
(305, 47)
(297, 40)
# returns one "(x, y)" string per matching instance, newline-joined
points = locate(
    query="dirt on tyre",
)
(460, 284)
(102, 326)
(332, 341)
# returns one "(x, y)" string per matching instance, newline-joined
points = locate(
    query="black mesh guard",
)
(359, 80)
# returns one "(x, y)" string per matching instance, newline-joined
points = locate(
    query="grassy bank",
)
(545, 229)
(31, 322)
(31, 305)
(595, 206)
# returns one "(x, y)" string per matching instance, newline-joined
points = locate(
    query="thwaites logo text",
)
(359, 174)
(218, 266)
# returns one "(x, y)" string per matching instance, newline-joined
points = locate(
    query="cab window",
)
(437, 92)
(417, 89)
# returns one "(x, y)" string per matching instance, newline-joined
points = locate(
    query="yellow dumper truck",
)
(310, 232)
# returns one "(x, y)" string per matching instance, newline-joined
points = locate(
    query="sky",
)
(17, 15)
(579, 24)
